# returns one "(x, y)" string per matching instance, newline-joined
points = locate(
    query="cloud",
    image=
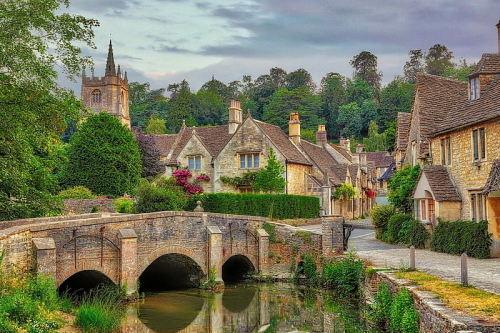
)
(99, 6)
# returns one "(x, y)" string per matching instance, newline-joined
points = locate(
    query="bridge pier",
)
(263, 238)
(45, 256)
(333, 235)
(128, 261)
(215, 253)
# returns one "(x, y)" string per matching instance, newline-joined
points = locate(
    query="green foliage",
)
(103, 156)
(350, 120)
(181, 107)
(124, 204)
(403, 316)
(270, 179)
(404, 229)
(271, 231)
(380, 311)
(284, 206)
(401, 187)
(460, 236)
(345, 274)
(344, 192)
(156, 126)
(146, 103)
(76, 192)
(309, 269)
(380, 216)
(365, 68)
(101, 311)
(437, 59)
(248, 179)
(151, 197)
(396, 97)
(375, 141)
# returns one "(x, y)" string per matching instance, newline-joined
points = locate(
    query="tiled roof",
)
(487, 106)
(438, 97)
(319, 156)
(338, 174)
(382, 159)
(388, 173)
(493, 182)
(342, 151)
(440, 183)
(180, 141)
(353, 171)
(489, 64)
(282, 143)
(164, 142)
(402, 130)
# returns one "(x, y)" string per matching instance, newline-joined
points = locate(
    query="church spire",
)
(110, 63)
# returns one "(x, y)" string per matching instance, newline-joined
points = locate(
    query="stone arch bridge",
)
(123, 246)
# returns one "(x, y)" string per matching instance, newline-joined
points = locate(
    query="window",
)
(477, 204)
(249, 161)
(96, 96)
(479, 144)
(194, 162)
(474, 88)
(446, 151)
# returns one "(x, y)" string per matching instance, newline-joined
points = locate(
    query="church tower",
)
(108, 93)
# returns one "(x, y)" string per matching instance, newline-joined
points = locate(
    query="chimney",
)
(359, 148)
(346, 144)
(235, 116)
(321, 135)
(294, 128)
(498, 34)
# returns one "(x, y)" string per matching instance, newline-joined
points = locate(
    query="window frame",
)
(245, 159)
(96, 96)
(479, 144)
(446, 151)
(478, 206)
(196, 162)
(474, 88)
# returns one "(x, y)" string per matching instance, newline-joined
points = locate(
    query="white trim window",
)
(474, 88)
(194, 162)
(249, 160)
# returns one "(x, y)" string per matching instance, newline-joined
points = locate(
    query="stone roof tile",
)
(489, 64)
(381, 159)
(402, 130)
(440, 183)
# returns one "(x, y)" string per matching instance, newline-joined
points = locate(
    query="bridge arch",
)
(84, 280)
(108, 272)
(196, 257)
(236, 267)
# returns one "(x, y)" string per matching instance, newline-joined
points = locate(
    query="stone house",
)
(454, 136)
(243, 146)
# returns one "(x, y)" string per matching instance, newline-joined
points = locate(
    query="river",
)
(244, 307)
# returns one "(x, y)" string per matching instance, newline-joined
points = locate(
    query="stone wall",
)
(85, 206)
(433, 313)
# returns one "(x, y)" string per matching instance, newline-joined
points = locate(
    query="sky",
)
(165, 41)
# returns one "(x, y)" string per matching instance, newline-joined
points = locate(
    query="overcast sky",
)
(166, 41)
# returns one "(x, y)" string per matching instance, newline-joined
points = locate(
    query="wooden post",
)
(463, 271)
(412, 257)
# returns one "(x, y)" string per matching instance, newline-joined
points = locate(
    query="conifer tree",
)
(269, 179)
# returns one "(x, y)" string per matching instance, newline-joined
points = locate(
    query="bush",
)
(309, 269)
(462, 236)
(150, 198)
(279, 206)
(381, 308)
(404, 229)
(404, 317)
(77, 192)
(401, 187)
(124, 204)
(418, 234)
(380, 217)
(345, 275)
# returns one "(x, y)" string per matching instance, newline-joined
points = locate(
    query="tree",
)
(102, 156)
(333, 94)
(299, 78)
(284, 102)
(150, 156)
(438, 59)
(459, 71)
(375, 141)
(270, 179)
(396, 97)
(145, 103)
(350, 120)
(358, 91)
(33, 108)
(156, 126)
(401, 187)
(415, 65)
(181, 107)
(365, 68)
(210, 108)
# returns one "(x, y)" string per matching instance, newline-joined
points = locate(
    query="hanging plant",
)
(344, 192)
(370, 193)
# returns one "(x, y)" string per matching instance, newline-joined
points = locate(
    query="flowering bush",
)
(181, 177)
(203, 177)
(369, 192)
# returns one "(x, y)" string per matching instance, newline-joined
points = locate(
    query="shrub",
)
(401, 188)
(380, 217)
(280, 206)
(309, 269)
(381, 308)
(150, 198)
(462, 236)
(404, 317)
(345, 274)
(418, 234)
(77, 192)
(124, 204)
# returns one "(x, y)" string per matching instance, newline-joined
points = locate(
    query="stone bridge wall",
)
(122, 246)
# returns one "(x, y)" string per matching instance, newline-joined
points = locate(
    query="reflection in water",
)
(246, 307)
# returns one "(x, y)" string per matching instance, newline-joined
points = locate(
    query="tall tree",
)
(299, 78)
(396, 97)
(217, 87)
(350, 120)
(278, 76)
(34, 38)
(438, 58)
(181, 107)
(210, 108)
(365, 68)
(150, 156)
(375, 141)
(102, 156)
(270, 179)
(415, 65)
(156, 126)
(145, 103)
(333, 94)
(299, 100)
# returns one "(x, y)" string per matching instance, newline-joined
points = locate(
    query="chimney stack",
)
(346, 144)
(294, 128)
(321, 135)
(498, 34)
(359, 148)
(235, 116)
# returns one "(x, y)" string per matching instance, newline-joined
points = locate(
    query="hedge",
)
(462, 236)
(279, 206)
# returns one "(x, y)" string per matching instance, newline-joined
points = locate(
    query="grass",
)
(100, 311)
(471, 300)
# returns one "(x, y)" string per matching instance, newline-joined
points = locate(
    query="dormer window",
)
(474, 88)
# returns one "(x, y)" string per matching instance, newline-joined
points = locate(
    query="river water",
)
(245, 307)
